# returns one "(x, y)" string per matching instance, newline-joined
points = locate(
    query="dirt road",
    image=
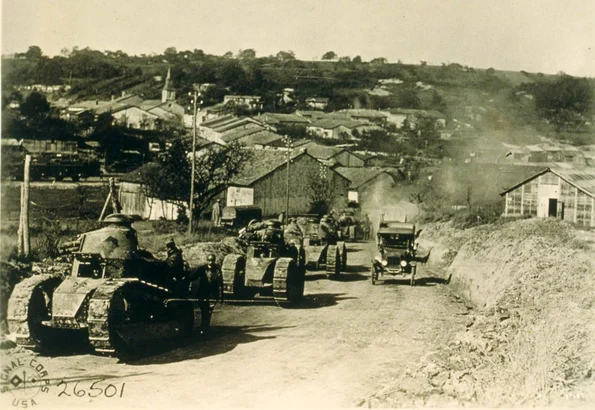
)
(342, 345)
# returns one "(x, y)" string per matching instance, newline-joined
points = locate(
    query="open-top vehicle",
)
(396, 251)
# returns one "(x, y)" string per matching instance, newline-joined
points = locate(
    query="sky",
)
(545, 36)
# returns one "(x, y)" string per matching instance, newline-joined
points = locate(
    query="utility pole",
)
(193, 173)
(24, 245)
(289, 146)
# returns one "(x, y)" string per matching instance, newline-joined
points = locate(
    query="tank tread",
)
(18, 308)
(98, 316)
(332, 269)
(229, 268)
(288, 281)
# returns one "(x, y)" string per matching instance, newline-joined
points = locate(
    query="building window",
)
(530, 198)
(583, 209)
(514, 202)
(549, 179)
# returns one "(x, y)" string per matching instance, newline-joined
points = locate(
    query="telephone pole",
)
(193, 172)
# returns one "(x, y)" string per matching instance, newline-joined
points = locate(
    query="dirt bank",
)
(530, 328)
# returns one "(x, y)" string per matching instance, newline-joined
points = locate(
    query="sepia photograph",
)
(216, 204)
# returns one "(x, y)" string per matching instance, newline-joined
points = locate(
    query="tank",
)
(116, 296)
(270, 267)
(329, 252)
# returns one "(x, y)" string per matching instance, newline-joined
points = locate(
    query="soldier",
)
(216, 213)
(293, 230)
(367, 225)
(325, 229)
(175, 265)
(206, 284)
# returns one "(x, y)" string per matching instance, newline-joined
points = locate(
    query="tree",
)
(34, 52)
(322, 191)
(248, 54)
(215, 167)
(357, 59)
(329, 55)
(285, 55)
(35, 106)
(379, 60)
(345, 59)
(565, 101)
(229, 54)
(170, 52)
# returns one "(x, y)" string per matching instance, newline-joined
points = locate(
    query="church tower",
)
(168, 93)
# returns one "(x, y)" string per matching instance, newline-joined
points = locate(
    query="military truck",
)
(116, 295)
(396, 251)
(236, 216)
(270, 267)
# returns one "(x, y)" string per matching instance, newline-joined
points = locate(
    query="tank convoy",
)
(117, 295)
(270, 266)
(322, 245)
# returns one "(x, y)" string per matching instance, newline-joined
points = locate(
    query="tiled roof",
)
(421, 113)
(360, 175)
(262, 163)
(331, 123)
(262, 137)
(321, 151)
(364, 113)
(274, 118)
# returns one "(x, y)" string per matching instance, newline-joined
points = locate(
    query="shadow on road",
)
(350, 274)
(350, 277)
(426, 281)
(320, 300)
(218, 340)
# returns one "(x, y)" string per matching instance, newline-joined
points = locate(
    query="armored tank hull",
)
(116, 298)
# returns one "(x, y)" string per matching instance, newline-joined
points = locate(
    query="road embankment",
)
(530, 328)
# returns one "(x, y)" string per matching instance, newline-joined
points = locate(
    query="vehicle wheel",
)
(344, 258)
(412, 283)
(374, 276)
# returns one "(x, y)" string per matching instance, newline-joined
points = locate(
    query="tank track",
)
(97, 319)
(19, 306)
(281, 279)
(332, 269)
(231, 264)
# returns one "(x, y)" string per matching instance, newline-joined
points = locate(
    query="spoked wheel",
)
(344, 258)
(374, 276)
(413, 272)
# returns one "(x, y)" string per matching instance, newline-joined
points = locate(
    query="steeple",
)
(168, 93)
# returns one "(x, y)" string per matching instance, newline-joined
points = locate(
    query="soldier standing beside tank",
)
(216, 213)
(206, 285)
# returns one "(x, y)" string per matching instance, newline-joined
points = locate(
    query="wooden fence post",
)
(24, 245)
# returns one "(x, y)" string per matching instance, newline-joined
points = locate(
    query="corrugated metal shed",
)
(582, 178)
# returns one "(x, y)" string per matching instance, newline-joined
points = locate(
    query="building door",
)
(553, 207)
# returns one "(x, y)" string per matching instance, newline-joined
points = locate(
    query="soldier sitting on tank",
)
(326, 230)
(175, 265)
(292, 230)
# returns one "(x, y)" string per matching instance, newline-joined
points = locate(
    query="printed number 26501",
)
(93, 390)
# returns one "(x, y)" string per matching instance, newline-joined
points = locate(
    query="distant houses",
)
(398, 117)
(250, 102)
(316, 103)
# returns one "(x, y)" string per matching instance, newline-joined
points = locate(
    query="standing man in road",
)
(216, 213)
